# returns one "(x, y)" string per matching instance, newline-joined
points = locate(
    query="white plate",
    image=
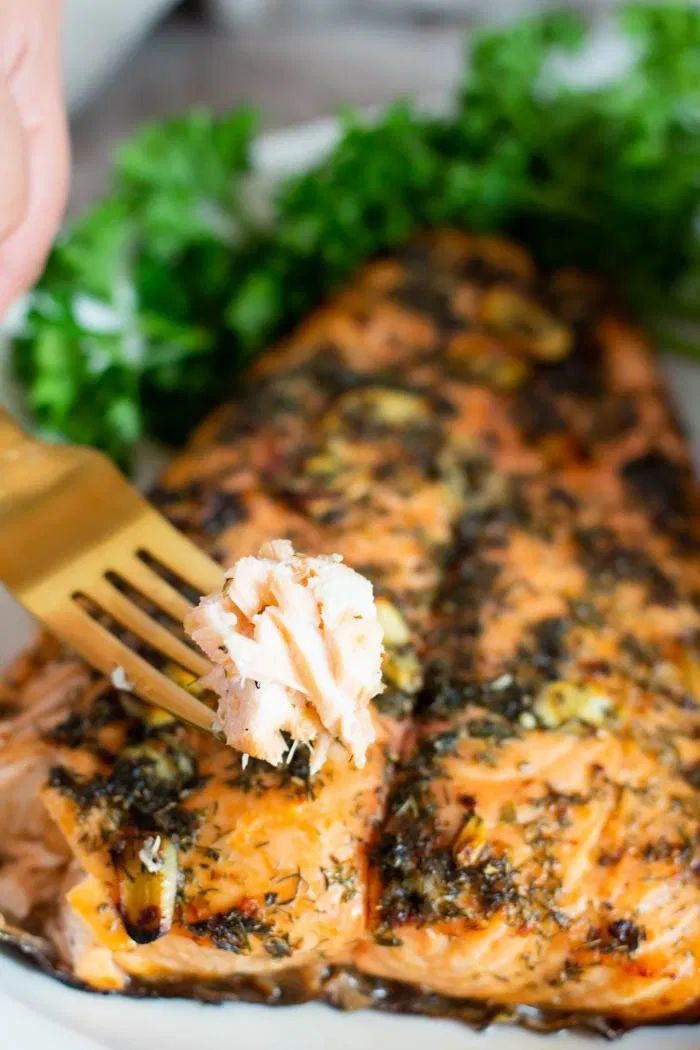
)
(38, 1013)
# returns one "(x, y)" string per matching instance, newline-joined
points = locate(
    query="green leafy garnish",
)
(152, 303)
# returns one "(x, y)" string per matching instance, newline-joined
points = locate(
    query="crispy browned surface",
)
(494, 450)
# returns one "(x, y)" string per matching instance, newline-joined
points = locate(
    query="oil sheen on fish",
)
(492, 447)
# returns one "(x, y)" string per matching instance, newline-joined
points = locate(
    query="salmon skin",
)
(492, 446)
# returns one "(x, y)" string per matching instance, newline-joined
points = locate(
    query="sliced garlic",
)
(393, 625)
(146, 866)
(531, 328)
(470, 840)
(561, 701)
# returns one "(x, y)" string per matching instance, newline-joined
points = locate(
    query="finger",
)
(14, 166)
(23, 253)
(36, 88)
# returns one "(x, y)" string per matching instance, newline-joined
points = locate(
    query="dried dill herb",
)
(258, 776)
(80, 728)
(621, 935)
(232, 931)
(608, 561)
(342, 874)
(145, 790)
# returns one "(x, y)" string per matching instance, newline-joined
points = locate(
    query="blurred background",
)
(130, 60)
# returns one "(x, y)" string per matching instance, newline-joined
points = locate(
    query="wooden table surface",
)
(292, 72)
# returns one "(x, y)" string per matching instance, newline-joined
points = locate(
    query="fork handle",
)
(11, 435)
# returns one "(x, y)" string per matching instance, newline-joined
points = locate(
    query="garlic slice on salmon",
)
(297, 648)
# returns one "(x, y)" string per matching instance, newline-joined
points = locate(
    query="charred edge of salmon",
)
(341, 989)
(37, 950)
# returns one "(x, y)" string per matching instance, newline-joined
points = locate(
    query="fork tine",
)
(129, 615)
(102, 649)
(147, 582)
(178, 554)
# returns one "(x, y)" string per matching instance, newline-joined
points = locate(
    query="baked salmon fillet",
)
(492, 447)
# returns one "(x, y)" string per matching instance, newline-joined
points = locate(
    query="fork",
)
(77, 541)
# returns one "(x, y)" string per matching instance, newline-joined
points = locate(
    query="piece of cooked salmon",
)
(492, 447)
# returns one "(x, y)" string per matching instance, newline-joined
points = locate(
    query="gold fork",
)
(76, 538)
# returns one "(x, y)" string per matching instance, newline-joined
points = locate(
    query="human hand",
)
(33, 140)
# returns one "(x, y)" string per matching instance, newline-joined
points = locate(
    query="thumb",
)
(33, 82)
(14, 165)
